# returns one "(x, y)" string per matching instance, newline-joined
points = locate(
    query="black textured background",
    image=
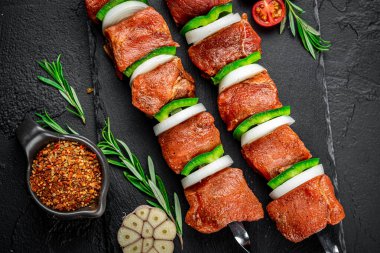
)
(334, 100)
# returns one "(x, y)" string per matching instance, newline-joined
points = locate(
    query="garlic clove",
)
(135, 247)
(147, 230)
(143, 212)
(163, 246)
(126, 236)
(147, 244)
(156, 217)
(166, 231)
(153, 250)
(133, 222)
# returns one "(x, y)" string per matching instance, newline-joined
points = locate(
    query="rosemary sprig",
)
(47, 121)
(311, 38)
(151, 184)
(54, 69)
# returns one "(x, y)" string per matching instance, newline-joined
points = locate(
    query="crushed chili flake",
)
(90, 90)
(66, 176)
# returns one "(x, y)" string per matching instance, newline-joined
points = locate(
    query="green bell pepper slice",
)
(108, 6)
(292, 172)
(173, 106)
(254, 57)
(203, 159)
(259, 118)
(215, 13)
(162, 50)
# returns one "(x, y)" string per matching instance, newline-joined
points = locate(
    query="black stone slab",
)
(352, 76)
(348, 145)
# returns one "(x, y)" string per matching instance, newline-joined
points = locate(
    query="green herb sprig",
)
(311, 38)
(46, 121)
(151, 184)
(58, 81)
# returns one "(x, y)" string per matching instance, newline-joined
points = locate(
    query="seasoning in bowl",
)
(66, 176)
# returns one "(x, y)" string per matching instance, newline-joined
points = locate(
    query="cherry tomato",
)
(268, 13)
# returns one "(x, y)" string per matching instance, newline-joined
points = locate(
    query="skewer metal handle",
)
(328, 245)
(241, 235)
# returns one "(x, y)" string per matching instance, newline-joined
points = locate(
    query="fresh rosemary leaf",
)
(310, 29)
(131, 167)
(299, 9)
(154, 204)
(302, 36)
(151, 170)
(50, 82)
(137, 164)
(308, 43)
(126, 148)
(282, 25)
(55, 70)
(158, 195)
(137, 183)
(109, 152)
(103, 144)
(73, 112)
(48, 121)
(114, 162)
(72, 130)
(291, 23)
(318, 44)
(177, 211)
(162, 189)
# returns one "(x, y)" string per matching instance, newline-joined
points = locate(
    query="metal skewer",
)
(326, 243)
(241, 235)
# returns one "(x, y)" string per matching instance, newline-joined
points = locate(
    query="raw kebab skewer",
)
(140, 44)
(225, 47)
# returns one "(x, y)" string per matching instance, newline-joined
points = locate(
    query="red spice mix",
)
(66, 176)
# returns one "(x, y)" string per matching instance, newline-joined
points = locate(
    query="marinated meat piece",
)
(229, 44)
(275, 152)
(184, 10)
(249, 97)
(152, 90)
(221, 199)
(93, 6)
(135, 37)
(193, 137)
(307, 209)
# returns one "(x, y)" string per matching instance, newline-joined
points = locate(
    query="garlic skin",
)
(147, 230)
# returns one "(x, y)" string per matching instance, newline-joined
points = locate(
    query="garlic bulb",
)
(147, 230)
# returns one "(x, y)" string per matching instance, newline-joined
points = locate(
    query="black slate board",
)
(37, 29)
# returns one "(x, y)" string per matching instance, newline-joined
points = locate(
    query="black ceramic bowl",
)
(33, 138)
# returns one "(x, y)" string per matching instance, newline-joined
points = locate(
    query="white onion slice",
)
(151, 64)
(178, 118)
(122, 11)
(206, 171)
(196, 35)
(264, 129)
(296, 181)
(239, 75)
